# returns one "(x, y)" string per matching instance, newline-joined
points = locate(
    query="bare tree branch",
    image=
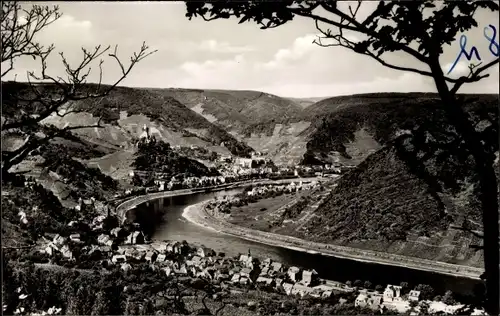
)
(18, 39)
(340, 40)
(474, 75)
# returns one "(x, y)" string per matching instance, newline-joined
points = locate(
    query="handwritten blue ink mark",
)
(473, 50)
(493, 43)
(493, 47)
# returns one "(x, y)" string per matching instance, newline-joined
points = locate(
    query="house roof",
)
(244, 258)
(264, 279)
(308, 274)
(235, 277)
(276, 265)
(105, 249)
(206, 249)
(323, 287)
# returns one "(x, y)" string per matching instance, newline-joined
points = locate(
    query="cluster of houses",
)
(249, 167)
(189, 182)
(224, 205)
(123, 249)
(285, 188)
(234, 174)
(204, 263)
(90, 241)
(392, 298)
(239, 169)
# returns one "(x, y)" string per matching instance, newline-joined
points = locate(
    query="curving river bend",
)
(169, 224)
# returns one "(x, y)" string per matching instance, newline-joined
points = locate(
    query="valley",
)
(372, 204)
(288, 169)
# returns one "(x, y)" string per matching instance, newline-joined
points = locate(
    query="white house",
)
(235, 278)
(372, 301)
(294, 273)
(392, 293)
(161, 257)
(75, 237)
(135, 238)
(205, 252)
(264, 280)
(414, 295)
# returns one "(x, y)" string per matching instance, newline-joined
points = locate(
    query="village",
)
(122, 248)
(219, 207)
(231, 173)
(103, 244)
(231, 169)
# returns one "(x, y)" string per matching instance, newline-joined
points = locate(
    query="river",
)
(170, 225)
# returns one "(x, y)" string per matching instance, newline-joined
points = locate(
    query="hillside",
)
(159, 157)
(389, 202)
(306, 102)
(234, 110)
(334, 135)
(44, 213)
(124, 112)
(346, 129)
(395, 203)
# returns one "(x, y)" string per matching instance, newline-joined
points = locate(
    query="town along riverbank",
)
(173, 226)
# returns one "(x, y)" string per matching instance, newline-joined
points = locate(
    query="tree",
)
(418, 29)
(404, 287)
(26, 105)
(426, 291)
(368, 285)
(424, 308)
(448, 298)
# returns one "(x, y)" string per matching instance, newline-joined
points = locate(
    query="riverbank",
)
(196, 214)
(129, 204)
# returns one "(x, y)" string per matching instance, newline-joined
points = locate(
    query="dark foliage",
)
(294, 210)
(74, 147)
(86, 182)
(380, 199)
(44, 213)
(158, 156)
(383, 115)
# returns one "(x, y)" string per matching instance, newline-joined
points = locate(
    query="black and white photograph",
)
(244, 158)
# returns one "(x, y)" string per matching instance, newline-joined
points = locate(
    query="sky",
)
(223, 54)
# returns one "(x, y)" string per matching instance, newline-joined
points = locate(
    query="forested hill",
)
(403, 197)
(124, 112)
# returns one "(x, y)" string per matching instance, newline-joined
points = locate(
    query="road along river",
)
(169, 223)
